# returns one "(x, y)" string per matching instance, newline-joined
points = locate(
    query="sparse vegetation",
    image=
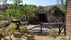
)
(65, 38)
(57, 14)
(23, 29)
(1, 25)
(20, 11)
(3, 33)
(53, 33)
(10, 29)
(30, 38)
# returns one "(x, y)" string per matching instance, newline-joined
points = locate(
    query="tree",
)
(14, 10)
(62, 1)
(57, 13)
(21, 11)
(17, 2)
(29, 10)
(17, 10)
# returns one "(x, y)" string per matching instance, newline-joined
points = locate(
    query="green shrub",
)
(2, 17)
(53, 33)
(1, 25)
(23, 29)
(3, 32)
(0, 31)
(11, 27)
(30, 38)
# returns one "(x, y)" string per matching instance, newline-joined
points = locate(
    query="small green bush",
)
(11, 27)
(23, 29)
(53, 33)
(3, 32)
(30, 38)
(0, 31)
(2, 17)
(1, 25)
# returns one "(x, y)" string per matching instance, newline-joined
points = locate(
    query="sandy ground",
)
(36, 38)
(45, 38)
(42, 38)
